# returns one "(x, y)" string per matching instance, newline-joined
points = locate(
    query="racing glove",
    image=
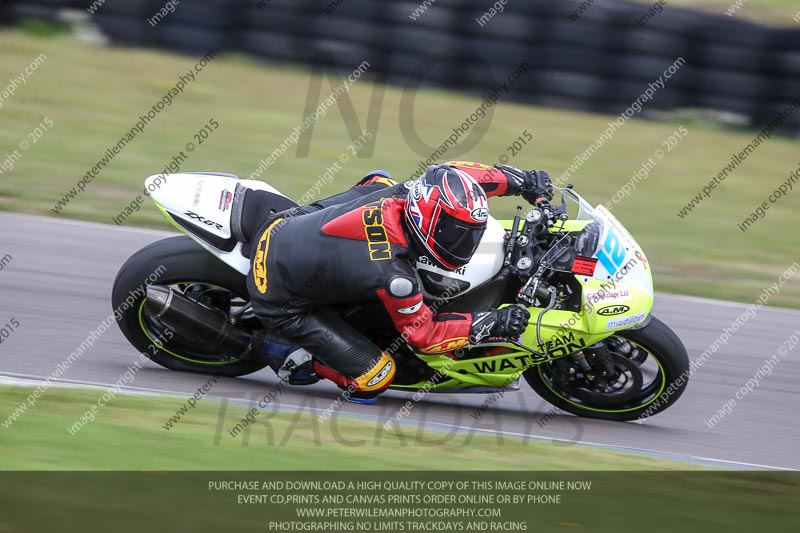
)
(508, 323)
(531, 184)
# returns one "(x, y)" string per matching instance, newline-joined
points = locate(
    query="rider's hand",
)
(531, 184)
(508, 323)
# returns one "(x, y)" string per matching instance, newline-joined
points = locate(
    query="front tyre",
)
(180, 263)
(650, 372)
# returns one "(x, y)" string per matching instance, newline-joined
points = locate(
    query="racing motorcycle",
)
(592, 348)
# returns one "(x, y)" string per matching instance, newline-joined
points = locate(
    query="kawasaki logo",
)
(613, 310)
(204, 220)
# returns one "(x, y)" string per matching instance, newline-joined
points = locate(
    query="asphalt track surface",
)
(58, 287)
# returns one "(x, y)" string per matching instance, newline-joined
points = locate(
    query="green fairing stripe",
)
(568, 225)
(169, 217)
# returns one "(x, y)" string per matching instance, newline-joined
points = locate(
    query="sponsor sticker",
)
(640, 256)
(603, 295)
(260, 259)
(613, 310)
(433, 267)
(480, 214)
(470, 164)
(584, 266)
(617, 323)
(446, 346)
(225, 200)
(485, 331)
(416, 191)
(377, 238)
(260, 264)
(410, 310)
(198, 193)
(381, 375)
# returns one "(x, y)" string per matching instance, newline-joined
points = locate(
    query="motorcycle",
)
(592, 347)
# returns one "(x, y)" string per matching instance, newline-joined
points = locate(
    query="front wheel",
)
(647, 370)
(181, 264)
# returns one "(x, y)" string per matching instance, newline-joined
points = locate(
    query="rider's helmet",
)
(446, 215)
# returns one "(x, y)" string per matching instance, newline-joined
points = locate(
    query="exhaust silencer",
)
(196, 322)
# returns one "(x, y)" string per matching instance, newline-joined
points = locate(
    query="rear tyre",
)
(182, 264)
(651, 372)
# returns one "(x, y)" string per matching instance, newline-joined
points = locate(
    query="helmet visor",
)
(456, 240)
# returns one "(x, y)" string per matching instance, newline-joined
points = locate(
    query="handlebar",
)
(524, 252)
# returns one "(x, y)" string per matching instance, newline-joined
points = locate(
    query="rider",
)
(360, 245)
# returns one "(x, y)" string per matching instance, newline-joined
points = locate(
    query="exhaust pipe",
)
(196, 322)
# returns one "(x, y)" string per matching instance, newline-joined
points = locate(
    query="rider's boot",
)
(290, 362)
(363, 389)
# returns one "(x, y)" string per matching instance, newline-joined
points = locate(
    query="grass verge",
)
(128, 434)
(778, 12)
(176, 482)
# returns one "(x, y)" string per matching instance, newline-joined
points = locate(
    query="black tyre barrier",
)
(209, 14)
(123, 31)
(274, 47)
(190, 39)
(137, 9)
(599, 59)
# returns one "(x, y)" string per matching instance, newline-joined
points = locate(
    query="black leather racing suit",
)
(350, 247)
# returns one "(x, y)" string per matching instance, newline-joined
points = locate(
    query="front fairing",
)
(616, 293)
(610, 266)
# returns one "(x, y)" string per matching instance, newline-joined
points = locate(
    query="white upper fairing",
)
(484, 265)
(620, 258)
(200, 202)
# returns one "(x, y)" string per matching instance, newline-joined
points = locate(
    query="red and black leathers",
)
(351, 248)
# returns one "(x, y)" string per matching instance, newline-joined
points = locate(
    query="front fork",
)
(596, 364)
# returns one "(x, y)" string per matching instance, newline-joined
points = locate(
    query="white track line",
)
(15, 379)
(726, 303)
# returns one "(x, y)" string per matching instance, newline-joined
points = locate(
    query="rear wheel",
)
(648, 370)
(180, 263)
